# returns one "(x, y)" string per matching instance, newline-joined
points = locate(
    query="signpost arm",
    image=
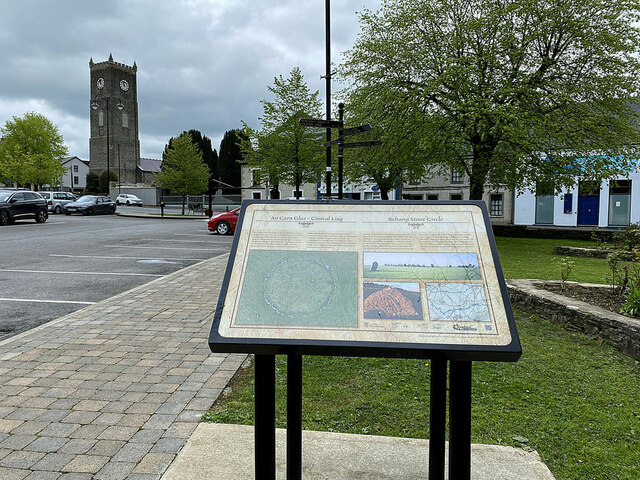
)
(340, 149)
(437, 419)
(265, 417)
(460, 420)
(294, 417)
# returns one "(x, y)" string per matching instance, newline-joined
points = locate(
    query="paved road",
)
(52, 269)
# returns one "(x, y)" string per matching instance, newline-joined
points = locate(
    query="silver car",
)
(57, 200)
(128, 199)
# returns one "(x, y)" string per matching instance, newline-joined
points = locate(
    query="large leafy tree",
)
(229, 168)
(183, 171)
(210, 159)
(510, 92)
(285, 151)
(31, 150)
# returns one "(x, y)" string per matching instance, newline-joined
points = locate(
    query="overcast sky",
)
(202, 64)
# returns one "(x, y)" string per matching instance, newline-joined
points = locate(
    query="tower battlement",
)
(111, 63)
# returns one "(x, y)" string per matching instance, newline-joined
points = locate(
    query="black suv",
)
(18, 204)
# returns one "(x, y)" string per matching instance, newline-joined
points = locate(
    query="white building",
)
(612, 203)
(75, 177)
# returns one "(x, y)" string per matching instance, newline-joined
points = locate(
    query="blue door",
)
(588, 209)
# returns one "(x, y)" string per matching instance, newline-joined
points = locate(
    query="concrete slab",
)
(225, 452)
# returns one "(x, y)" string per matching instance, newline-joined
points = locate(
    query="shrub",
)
(632, 305)
(565, 265)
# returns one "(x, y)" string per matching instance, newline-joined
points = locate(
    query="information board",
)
(412, 279)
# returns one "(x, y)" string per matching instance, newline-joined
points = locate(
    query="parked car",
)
(89, 205)
(128, 199)
(224, 223)
(56, 200)
(19, 204)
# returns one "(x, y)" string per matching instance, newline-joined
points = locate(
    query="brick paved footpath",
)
(114, 390)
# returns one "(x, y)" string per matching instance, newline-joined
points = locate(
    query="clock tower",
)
(113, 112)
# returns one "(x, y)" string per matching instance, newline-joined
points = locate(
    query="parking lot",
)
(49, 270)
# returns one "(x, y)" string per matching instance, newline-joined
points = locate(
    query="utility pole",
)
(327, 77)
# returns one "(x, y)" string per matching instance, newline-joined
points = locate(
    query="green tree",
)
(93, 182)
(509, 92)
(285, 151)
(183, 171)
(229, 168)
(104, 180)
(31, 150)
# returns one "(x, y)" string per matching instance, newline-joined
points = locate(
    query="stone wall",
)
(622, 333)
(589, 252)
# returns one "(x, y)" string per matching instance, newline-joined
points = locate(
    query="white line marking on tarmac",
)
(31, 300)
(175, 240)
(125, 258)
(82, 273)
(160, 248)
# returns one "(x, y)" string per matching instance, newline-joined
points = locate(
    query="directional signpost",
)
(342, 132)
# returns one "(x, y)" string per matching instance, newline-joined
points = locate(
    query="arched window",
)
(100, 118)
(125, 120)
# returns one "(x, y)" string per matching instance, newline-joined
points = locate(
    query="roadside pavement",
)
(114, 390)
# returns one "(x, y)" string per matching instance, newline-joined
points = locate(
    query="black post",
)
(108, 152)
(265, 417)
(437, 419)
(460, 420)
(119, 172)
(327, 13)
(294, 417)
(340, 148)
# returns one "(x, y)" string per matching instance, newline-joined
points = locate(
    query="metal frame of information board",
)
(457, 358)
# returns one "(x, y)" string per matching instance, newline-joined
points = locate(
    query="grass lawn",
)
(574, 400)
(534, 258)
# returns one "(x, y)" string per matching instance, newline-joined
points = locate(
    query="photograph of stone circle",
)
(422, 266)
(392, 300)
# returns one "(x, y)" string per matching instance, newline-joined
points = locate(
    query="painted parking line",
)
(81, 273)
(31, 300)
(174, 240)
(126, 258)
(160, 248)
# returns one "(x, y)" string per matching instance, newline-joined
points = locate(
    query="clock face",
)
(124, 85)
(100, 83)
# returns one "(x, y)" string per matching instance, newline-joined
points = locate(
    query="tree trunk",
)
(482, 153)
(184, 199)
(384, 193)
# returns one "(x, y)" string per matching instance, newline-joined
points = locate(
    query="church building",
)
(114, 143)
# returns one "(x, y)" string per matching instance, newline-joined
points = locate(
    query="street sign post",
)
(342, 132)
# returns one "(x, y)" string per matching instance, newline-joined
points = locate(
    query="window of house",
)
(76, 180)
(125, 120)
(431, 196)
(100, 118)
(496, 205)
(456, 177)
(455, 196)
(620, 187)
(255, 177)
(257, 195)
(372, 195)
(75, 168)
(409, 196)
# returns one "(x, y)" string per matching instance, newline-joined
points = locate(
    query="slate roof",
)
(149, 165)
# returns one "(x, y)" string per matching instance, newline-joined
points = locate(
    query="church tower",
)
(113, 114)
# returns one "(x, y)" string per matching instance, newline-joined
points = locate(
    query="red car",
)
(224, 223)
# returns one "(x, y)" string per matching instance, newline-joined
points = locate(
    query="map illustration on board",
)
(283, 287)
(457, 302)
